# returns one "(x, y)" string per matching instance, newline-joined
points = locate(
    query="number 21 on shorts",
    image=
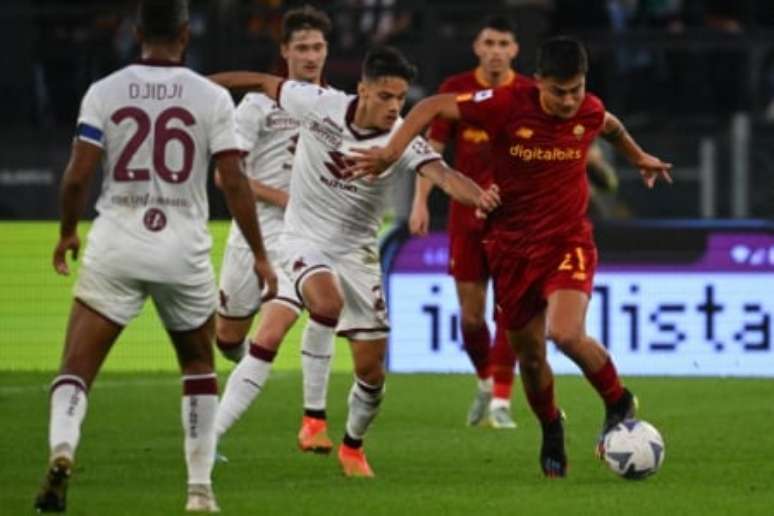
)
(575, 262)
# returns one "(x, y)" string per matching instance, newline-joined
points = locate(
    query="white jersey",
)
(269, 135)
(158, 125)
(340, 216)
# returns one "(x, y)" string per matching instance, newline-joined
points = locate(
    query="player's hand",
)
(489, 200)
(368, 162)
(652, 168)
(66, 243)
(267, 278)
(419, 220)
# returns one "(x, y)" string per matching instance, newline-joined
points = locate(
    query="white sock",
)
(316, 355)
(68, 408)
(497, 403)
(486, 384)
(364, 401)
(200, 402)
(243, 386)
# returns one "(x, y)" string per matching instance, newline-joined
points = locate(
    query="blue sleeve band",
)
(89, 132)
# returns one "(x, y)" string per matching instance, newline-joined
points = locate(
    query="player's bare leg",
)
(231, 335)
(365, 397)
(199, 405)
(476, 341)
(88, 341)
(566, 315)
(538, 381)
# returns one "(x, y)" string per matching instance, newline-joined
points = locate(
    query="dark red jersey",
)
(539, 163)
(471, 144)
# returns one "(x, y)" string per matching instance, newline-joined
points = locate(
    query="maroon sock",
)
(477, 344)
(607, 383)
(543, 404)
(503, 361)
(262, 353)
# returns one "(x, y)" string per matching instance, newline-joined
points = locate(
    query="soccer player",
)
(269, 135)
(496, 48)
(539, 244)
(329, 239)
(154, 126)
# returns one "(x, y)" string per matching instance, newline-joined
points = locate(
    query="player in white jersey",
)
(154, 126)
(329, 241)
(269, 135)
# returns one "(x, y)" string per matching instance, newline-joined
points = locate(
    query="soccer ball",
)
(633, 449)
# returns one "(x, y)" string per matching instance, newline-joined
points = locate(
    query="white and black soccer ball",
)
(633, 449)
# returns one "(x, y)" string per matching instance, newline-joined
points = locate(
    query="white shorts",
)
(240, 297)
(364, 314)
(180, 307)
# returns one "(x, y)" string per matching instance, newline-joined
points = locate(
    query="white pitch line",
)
(120, 384)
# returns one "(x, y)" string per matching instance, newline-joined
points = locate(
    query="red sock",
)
(503, 362)
(477, 344)
(543, 404)
(607, 383)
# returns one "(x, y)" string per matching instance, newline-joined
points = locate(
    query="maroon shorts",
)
(524, 280)
(467, 257)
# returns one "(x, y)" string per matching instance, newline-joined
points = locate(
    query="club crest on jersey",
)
(524, 133)
(154, 219)
(579, 131)
(481, 96)
(298, 265)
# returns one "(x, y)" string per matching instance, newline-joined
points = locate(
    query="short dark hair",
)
(305, 18)
(387, 62)
(160, 20)
(562, 58)
(499, 23)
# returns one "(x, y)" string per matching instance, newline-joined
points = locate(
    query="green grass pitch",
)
(718, 432)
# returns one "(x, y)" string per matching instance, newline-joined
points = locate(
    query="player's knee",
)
(566, 338)
(228, 330)
(471, 322)
(269, 338)
(532, 363)
(370, 370)
(328, 307)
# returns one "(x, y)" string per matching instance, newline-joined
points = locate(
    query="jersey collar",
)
(360, 135)
(478, 73)
(158, 62)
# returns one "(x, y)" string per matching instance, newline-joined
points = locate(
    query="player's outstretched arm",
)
(651, 168)
(376, 160)
(241, 204)
(249, 81)
(419, 218)
(460, 187)
(73, 193)
(261, 191)
(269, 194)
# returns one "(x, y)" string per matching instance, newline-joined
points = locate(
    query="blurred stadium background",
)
(694, 82)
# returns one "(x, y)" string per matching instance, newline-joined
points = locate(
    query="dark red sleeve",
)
(442, 129)
(487, 109)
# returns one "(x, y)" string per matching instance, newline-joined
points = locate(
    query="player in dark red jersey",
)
(496, 48)
(539, 243)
